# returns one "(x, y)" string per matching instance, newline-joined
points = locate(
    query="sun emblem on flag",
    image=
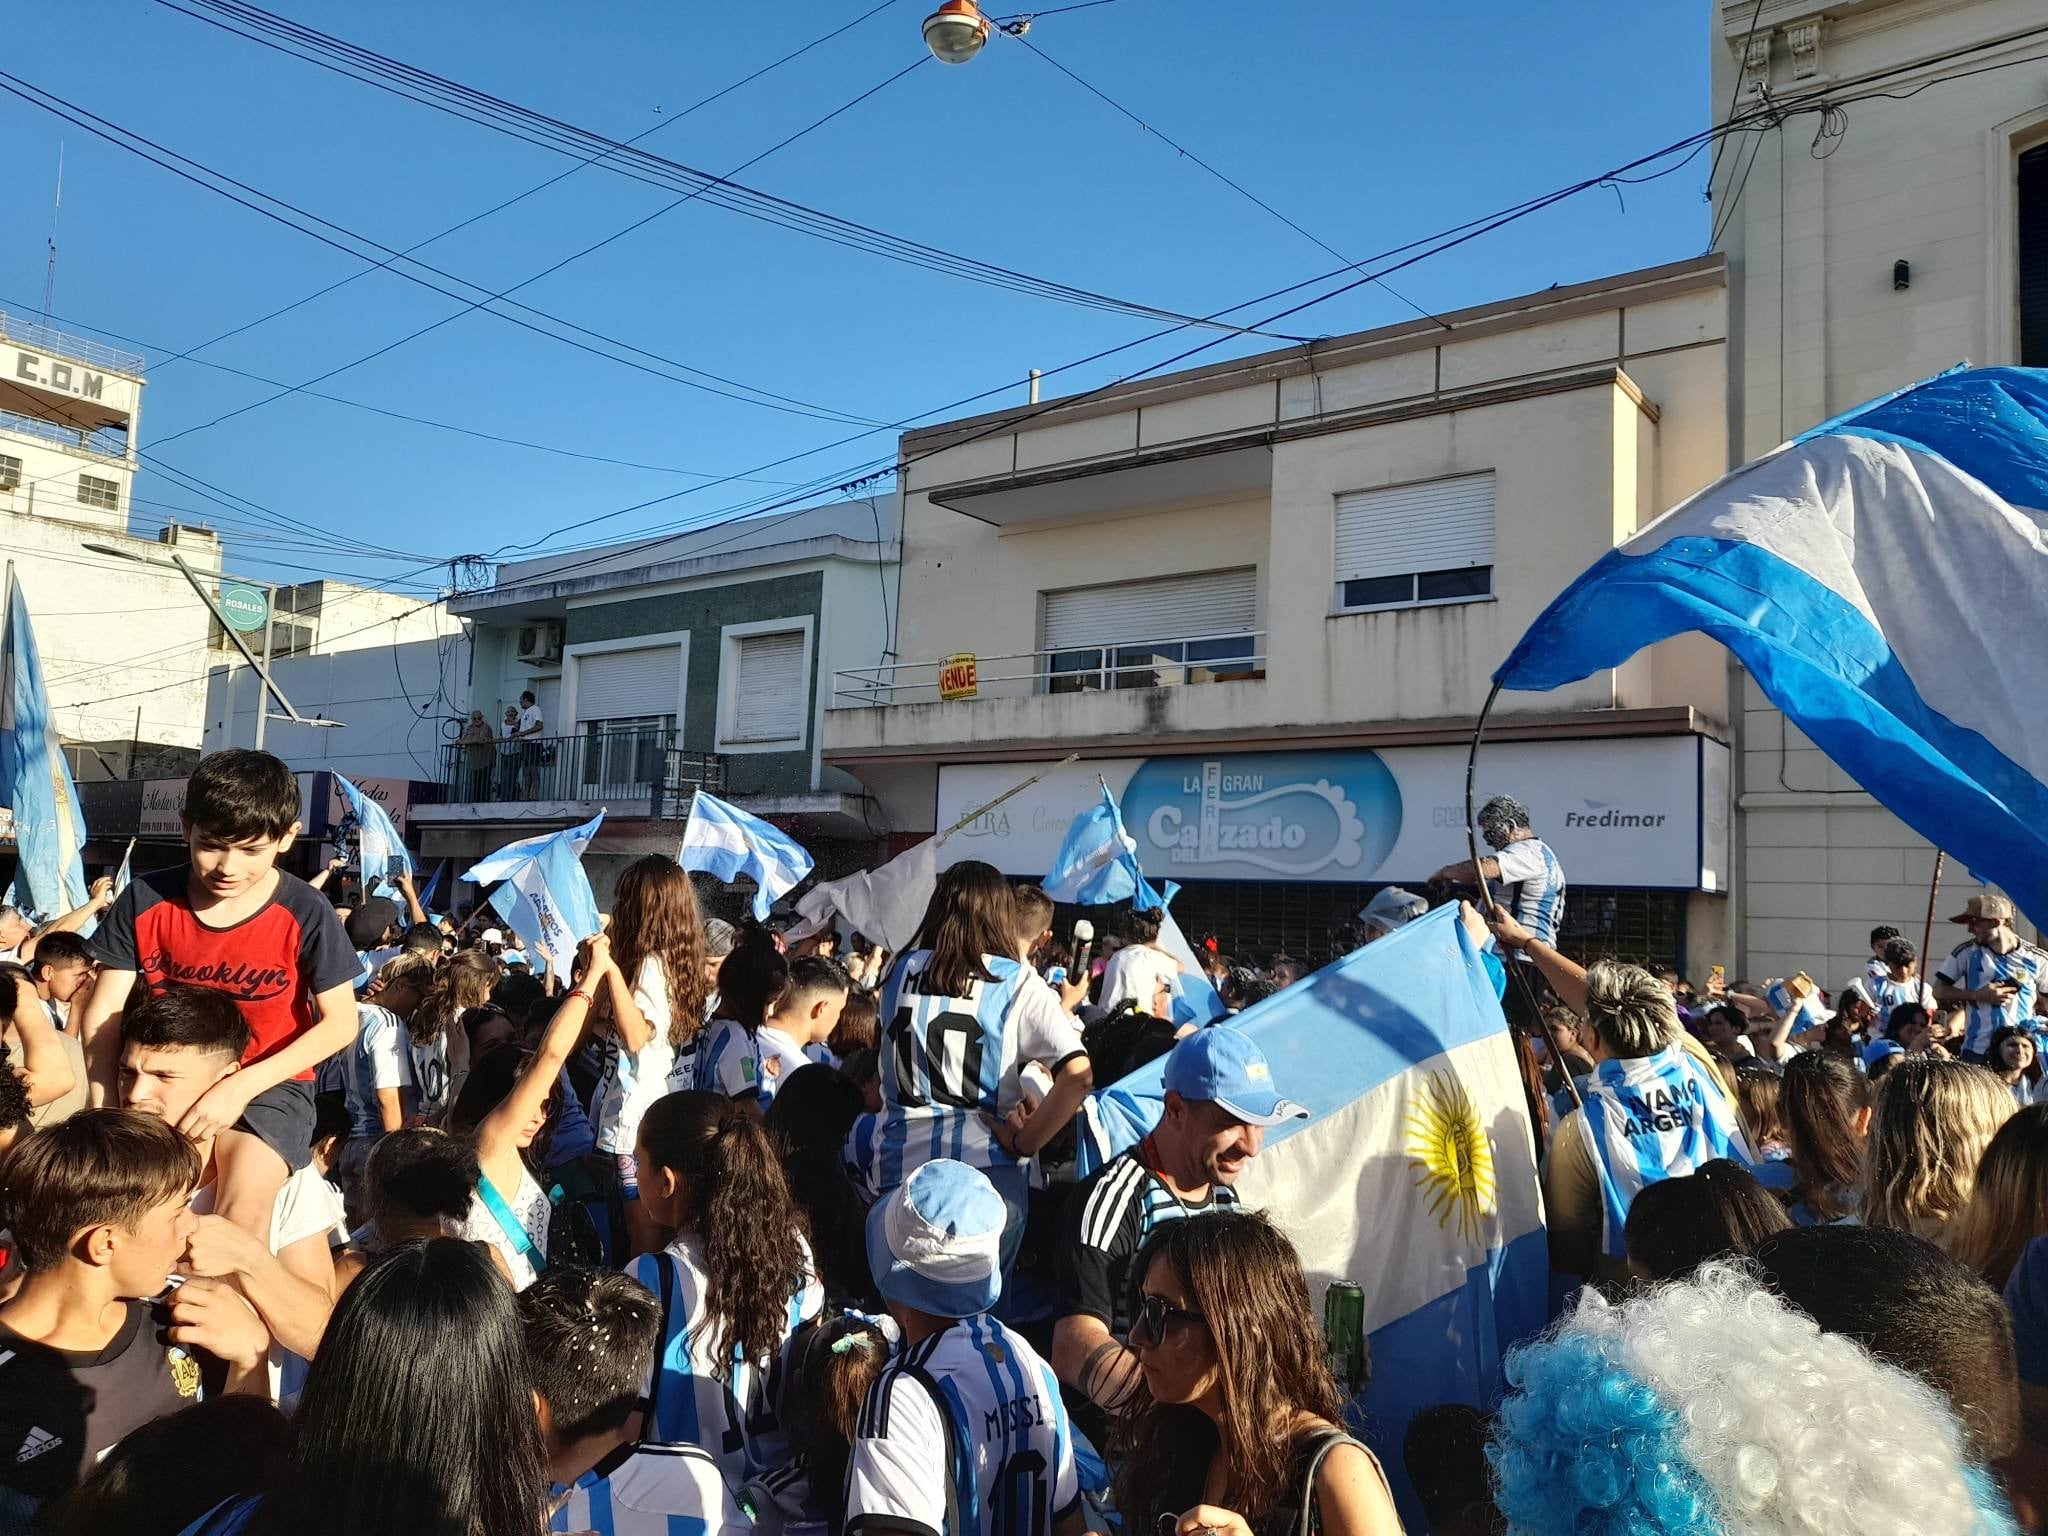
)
(1448, 1149)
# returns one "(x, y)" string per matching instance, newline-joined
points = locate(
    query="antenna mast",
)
(50, 271)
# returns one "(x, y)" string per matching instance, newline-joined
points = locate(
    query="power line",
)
(1188, 154)
(554, 267)
(448, 96)
(667, 120)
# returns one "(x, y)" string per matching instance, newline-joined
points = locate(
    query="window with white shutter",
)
(767, 690)
(639, 684)
(1195, 628)
(1409, 545)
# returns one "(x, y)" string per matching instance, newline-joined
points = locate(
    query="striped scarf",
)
(1650, 1118)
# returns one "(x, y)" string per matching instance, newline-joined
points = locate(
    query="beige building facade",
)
(1263, 601)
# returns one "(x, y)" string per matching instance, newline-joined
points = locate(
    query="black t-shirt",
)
(1112, 1213)
(61, 1410)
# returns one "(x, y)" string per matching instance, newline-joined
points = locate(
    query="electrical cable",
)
(1734, 95)
(557, 266)
(441, 94)
(1187, 154)
(667, 120)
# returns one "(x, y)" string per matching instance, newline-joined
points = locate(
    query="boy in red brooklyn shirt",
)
(233, 921)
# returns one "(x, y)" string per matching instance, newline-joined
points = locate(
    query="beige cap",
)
(1986, 909)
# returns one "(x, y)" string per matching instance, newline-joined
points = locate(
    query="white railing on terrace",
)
(1172, 663)
(107, 443)
(44, 339)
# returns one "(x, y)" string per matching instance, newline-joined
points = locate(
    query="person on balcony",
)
(477, 743)
(508, 755)
(528, 729)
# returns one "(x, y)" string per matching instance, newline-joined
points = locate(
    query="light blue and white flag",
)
(433, 885)
(127, 870)
(725, 841)
(1414, 1176)
(546, 897)
(49, 831)
(1097, 865)
(1884, 578)
(383, 854)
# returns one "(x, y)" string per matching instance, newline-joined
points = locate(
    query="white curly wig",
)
(1710, 1407)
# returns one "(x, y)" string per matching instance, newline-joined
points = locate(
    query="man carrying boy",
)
(233, 921)
(97, 1209)
(964, 1396)
(590, 1337)
(177, 1047)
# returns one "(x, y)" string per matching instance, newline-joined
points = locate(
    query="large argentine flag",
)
(384, 855)
(546, 897)
(1415, 1174)
(725, 841)
(35, 782)
(1885, 580)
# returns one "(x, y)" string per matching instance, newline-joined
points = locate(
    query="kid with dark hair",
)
(750, 980)
(172, 1470)
(859, 1026)
(417, 1183)
(97, 1207)
(179, 1046)
(801, 1022)
(51, 1065)
(233, 921)
(590, 1339)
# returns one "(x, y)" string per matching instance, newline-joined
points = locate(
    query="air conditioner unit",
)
(540, 642)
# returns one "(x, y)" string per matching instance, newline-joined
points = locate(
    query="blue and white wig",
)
(1709, 1407)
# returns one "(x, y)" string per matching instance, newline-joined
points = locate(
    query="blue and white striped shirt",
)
(1971, 967)
(1535, 887)
(652, 1490)
(948, 1060)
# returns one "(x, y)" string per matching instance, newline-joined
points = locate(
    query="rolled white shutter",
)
(768, 694)
(626, 685)
(1165, 608)
(1438, 525)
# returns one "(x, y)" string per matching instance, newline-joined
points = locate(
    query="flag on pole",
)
(885, 904)
(1414, 1177)
(1098, 864)
(1883, 578)
(127, 870)
(383, 854)
(725, 841)
(49, 831)
(433, 885)
(546, 897)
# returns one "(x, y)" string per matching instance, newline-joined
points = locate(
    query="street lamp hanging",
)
(956, 31)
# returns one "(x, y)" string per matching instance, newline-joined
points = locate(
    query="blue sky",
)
(1368, 124)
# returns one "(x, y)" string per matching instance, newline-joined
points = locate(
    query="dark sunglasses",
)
(1155, 1315)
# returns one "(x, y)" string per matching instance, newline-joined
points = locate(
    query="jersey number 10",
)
(952, 1052)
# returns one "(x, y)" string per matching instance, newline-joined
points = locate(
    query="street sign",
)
(247, 608)
(958, 677)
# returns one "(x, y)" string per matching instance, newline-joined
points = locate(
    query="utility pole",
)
(261, 665)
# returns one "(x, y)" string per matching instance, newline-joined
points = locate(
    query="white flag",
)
(885, 904)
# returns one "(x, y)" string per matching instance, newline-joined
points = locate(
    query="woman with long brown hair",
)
(1237, 1428)
(1825, 1103)
(440, 1050)
(2009, 1202)
(1928, 1130)
(961, 1018)
(734, 1284)
(653, 1010)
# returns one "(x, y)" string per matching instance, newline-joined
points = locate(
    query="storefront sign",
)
(163, 809)
(1647, 812)
(322, 808)
(958, 678)
(246, 608)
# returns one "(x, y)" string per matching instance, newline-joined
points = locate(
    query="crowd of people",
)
(325, 1214)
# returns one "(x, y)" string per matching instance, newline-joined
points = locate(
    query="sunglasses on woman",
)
(1155, 1315)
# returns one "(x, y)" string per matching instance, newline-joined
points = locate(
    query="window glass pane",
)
(1227, 648)
(1469, 581)
(1148, 666)
(1371, 591)
(1074, 671)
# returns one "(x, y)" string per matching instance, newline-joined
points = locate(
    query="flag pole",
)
(982, 810)
(1933, 895)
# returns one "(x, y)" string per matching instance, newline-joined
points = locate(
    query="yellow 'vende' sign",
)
(957, 679)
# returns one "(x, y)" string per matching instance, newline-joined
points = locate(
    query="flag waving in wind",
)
(1414, 1175)
(383, 852)
(1098, 864)
(885, 905)
(546, 898)
(49, 832)
(725, 841)
(1884, 578)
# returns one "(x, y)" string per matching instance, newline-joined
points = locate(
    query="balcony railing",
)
(1238, 657)
(44, 339)
(105, 443)
(633, 767)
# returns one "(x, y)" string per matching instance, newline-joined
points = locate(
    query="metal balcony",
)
(1238, 657)
(624, 769)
